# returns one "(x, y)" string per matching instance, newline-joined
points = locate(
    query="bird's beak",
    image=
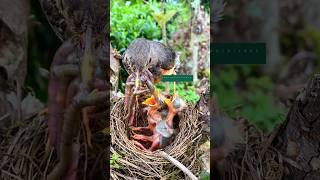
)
(168, 101)
(168, 72)
(151, 101)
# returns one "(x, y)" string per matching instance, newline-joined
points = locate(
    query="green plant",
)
(243, 90)
(185, 90)
(204, 175)
(162, 19)
(132, 19)
(114, 161)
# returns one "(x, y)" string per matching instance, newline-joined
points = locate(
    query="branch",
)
(179, 165)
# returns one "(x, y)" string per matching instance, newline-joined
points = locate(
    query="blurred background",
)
(43, 43)
(262, 94)
(27, 47)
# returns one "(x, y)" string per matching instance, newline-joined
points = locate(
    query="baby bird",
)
(163, 130)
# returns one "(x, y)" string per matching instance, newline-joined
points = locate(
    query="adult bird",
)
(145, 61)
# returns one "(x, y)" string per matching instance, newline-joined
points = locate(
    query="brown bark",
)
(298, 139)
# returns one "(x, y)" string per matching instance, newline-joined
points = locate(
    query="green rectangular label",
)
(177, 78)
(238, 53)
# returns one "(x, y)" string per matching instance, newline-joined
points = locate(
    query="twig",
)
(123, 176)
(85, 153)
(47, 165)
(12, 175)
(269, 141)
(15, 141)
(292, 163)
(4, 116)
(244, 156)
(178, 164)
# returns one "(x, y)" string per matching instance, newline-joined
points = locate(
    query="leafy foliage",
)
(185, 90)
(162, 18)
(114, 161)
(241, 90)
(130, 21)
(204, 175)
(134, 19)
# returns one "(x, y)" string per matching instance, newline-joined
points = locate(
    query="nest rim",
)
(145, 164)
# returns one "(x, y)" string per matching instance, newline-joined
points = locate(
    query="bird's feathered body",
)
(137, 56)
(144, 54)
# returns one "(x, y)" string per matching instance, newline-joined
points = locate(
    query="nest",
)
(25, 154)
(139, 164)
(256, 158)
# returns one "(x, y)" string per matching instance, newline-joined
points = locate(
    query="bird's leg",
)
(131, 108)
(129, 98)
(57, 91)
(138, 144)
(140, 91)
(150, 127)
(73, 167)
(140, 129)
(129, 84)
(133, 112)
(88, 112)
(156, 143)
(134, 105)
(150, 76)
(66, 71)
(101, 85)
(71, 128)
(86, 122)
(132, 101)
(143, 138)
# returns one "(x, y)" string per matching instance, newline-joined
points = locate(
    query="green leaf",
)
(204, 175)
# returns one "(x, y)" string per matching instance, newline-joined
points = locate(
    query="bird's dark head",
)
(169, 58)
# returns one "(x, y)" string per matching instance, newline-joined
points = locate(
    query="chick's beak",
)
(152, 102)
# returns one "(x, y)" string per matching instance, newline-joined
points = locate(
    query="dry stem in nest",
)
(254, 159)
(24, 156)
(140, 164)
